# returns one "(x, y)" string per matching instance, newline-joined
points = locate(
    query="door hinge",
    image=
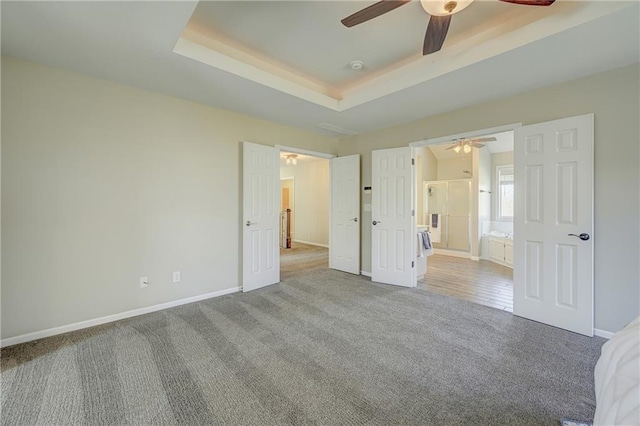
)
(413, 162)
(413, 212)
(413, 264)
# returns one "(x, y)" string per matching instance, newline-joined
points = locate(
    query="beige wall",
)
(430, 170)
(427, 171)
(482, 189)
(311, 201)
(613, 98)
(452, 168)
(103, 183)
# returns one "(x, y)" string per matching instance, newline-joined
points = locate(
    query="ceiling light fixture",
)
(444, 7)
(457, 148)
(291, 159)
(466, 148)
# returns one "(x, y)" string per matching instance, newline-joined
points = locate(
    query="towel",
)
(426, 243)
(434, 220)
(421, 247)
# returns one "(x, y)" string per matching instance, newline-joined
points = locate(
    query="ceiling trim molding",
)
(496, 37)
(206, 50)
(512, 33)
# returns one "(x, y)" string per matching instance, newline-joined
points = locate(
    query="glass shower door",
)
(436, 198)
(458, 220)
(448, 206)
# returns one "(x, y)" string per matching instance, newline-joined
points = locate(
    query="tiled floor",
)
(483, 282)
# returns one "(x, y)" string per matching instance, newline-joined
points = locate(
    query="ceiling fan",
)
(440, 11)
(465, 144)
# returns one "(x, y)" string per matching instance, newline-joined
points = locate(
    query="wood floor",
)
(483, 282)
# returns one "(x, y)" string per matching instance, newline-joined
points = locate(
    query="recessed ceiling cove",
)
(301, 47)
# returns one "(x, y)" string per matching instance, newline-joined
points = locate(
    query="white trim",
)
(365, 273)
(470, 134)
(476, 258)
(305, 152)
(310, 243)
(603, 333)
(452, 253)
(110, 318)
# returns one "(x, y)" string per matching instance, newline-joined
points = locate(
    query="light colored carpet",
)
(323, 347)
(301, 258)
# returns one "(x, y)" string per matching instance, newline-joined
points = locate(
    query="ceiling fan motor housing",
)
(444, 7)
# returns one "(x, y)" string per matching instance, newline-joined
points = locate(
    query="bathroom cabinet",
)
(500, 251)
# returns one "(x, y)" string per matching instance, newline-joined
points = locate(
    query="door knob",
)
(249, 223)
(355, 219)
(375, 222)
(584, 236)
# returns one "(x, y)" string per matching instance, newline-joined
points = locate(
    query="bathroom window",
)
(505, 192)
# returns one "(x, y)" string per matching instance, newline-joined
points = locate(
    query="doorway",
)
(304, 213)
(465, 191)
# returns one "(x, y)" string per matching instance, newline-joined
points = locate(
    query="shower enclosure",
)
(448, 213)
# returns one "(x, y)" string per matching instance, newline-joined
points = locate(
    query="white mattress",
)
(617, 379)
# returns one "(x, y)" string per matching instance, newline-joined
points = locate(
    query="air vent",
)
(335, 129)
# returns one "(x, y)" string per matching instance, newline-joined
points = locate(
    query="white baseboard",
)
(365, 273)
(311, 244)
(476, 258)
(603, 333)
(452, 253)
(110, 318)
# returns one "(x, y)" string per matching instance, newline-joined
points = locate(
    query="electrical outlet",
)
(177, 277)
(144, 282)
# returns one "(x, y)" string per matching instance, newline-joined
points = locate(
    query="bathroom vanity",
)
(500, 250)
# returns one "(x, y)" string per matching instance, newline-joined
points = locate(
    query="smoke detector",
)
(356, 65)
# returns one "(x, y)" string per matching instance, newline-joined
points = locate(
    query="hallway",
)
(301, 258)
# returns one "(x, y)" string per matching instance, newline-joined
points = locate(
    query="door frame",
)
(302, 151)
(441, 139)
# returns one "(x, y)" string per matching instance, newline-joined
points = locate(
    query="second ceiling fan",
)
(440, 12)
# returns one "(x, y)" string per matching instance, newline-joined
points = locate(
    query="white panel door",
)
(261, 215)
(393, 235)
(344, 241)
(553, 244)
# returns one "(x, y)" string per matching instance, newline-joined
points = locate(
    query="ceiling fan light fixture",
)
(466, 148)
(457, 148)
(291, 159)
(444, 7)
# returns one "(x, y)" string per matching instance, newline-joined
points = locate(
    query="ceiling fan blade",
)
(531, 2)
(452, 146)
(485, 140)
(477, 145)
(436, 33)
(373, 11)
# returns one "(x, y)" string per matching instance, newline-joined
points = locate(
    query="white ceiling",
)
(133, 43)
(307, 35)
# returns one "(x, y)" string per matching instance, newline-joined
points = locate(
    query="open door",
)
(261, 215)
(344, 241)
(553, 227)
(393, 235)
